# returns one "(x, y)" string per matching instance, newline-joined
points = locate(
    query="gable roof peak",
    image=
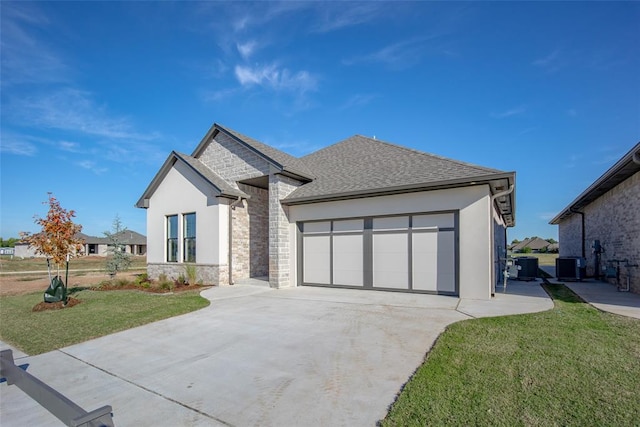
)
(282, 161)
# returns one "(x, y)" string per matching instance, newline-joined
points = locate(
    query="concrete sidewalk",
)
(257, 356)
(606, 297)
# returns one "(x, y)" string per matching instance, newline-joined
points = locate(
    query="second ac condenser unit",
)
(570, 268)
(527, 267)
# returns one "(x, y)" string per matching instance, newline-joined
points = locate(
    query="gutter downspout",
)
(573, 210)
(493, 261)
(232, 207)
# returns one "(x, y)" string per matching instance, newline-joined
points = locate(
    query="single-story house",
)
(134, 243)
(361, 213)
(536, 244)
(607, 211)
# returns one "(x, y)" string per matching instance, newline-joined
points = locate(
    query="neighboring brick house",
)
(361, 214)
(608, 211)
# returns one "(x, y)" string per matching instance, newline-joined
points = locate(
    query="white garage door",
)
(411, 253)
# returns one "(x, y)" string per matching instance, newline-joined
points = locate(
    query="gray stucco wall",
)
(614, 219)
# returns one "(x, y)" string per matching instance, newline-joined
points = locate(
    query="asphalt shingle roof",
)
(359, 165)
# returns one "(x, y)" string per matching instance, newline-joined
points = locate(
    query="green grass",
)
(572, 365)
(97, 263)
(100, 313)
(543, 258)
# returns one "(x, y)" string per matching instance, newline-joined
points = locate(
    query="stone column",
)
(279, 239)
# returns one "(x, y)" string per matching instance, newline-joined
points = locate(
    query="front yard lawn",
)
(572, 365)
(99, 313)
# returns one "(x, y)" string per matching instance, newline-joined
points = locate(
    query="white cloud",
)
(552, 62)
(547, 216)
(72, 147)
(336, 16)
(73, 110)
(508, 113)
(275, 78)
(358, 100)
(400, 55)
(25, 58)
(246, 49)
(17, 145)
(92, 166)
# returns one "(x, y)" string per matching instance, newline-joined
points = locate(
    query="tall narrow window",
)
(189, 237)
(172, 238)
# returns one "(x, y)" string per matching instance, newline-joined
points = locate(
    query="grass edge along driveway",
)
(100, 313)
(572, 365)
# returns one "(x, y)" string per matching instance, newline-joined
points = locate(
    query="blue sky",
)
(94, 96)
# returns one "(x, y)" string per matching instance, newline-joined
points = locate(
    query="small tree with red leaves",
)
(58, 239)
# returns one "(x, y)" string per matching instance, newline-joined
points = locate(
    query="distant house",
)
(360, 214)
(7, 251)
(607, 211)
(536, 244)
(135, 244)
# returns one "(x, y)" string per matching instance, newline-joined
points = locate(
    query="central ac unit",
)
(527, 268)
(570, 268)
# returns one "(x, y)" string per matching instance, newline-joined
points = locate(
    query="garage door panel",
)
(317, 259)
(446, 262)
(348, 260)
(391, 261)
(425, 261)
(406, 253)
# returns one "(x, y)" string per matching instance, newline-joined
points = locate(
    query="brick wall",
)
(614, 219)
(570, 236)
(279, 243)
(250, 241)
(232, 161)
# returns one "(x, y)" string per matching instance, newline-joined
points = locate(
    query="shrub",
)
(166, 285)
(122, 282)
(192, 273)
(526, 250)
(142, 279)
(181, 281)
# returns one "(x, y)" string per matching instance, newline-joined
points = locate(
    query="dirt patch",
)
(43, 306)
(25, 284)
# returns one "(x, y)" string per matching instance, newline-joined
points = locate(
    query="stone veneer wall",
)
(614, 219)
(279, 243)
(207, 274)
(232, 161)
(250, 241)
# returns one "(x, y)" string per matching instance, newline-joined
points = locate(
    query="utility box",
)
(527, 267)
(571, 268)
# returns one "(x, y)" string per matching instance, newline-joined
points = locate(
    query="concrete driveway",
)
(256, 356)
